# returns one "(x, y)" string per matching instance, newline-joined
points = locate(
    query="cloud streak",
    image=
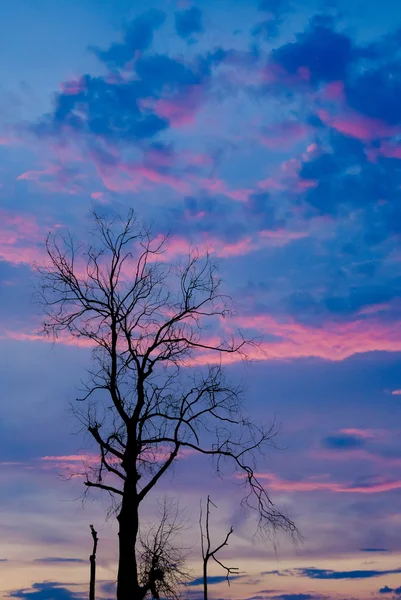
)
(370, 485)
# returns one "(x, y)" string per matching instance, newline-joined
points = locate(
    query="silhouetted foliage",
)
(162, 558)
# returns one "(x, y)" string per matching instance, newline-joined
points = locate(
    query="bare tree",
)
(92, 560)
(162, 559)
(149, 322)
(206, 544)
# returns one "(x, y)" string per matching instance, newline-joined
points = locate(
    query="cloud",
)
(129, 108)
(137, 38)
(388, 590)
(313, 573)
(188, 22)
(360, 127)
(374, 549)
(374, 92)
(356, 167)
(46, 590)
(59, 559)
(385, 590)
(323, 54)
(293, 597)
(56, 178)
(363, 485)
(333, 340)
(283, 339)
(213, 579)
(343, 441)
(274, 11)
(115, 119)
(283, 135)
(365, 434)
(21, 238)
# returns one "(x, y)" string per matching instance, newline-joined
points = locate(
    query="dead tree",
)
(92, 560)
(206, 545)
(149, 323)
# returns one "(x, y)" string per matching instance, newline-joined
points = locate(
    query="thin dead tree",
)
(206, 545)
(157, 388)
(92, 559)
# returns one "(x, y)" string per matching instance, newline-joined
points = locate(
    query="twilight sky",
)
(270, 132)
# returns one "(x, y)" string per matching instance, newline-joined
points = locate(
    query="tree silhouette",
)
(206, 544)
(149, 322)
(162, 559)
(92, 559)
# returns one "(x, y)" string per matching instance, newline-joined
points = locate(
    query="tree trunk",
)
(205, 580)
(92, 558)
(128, 587)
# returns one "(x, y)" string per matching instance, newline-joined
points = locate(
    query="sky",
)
(268, 131)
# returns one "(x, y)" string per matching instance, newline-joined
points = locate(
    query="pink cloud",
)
(8, 140)
(333, 91)
(180, 109)
(179, 246)
(21, 238)
(199, 158)
(281, 237)
(283, 135)
(338, 115)
(66, 339)
(73, 86)
(242, 247)
(36, 175)
(270, 184)
(287, 177)
(67, 462)
(21, 255)
(100, 197)
(55, 178)
(159, 159)
(72, 458)
(357, 126)
(152, 175)
(390, 150)
(387, 149)
(357, 454)
(18, 226)
(135, 177)
(218, 186)
(366, 434)
(275, 73)
(375, 308)
(333, 341)
(176, 112)
(376, 485)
